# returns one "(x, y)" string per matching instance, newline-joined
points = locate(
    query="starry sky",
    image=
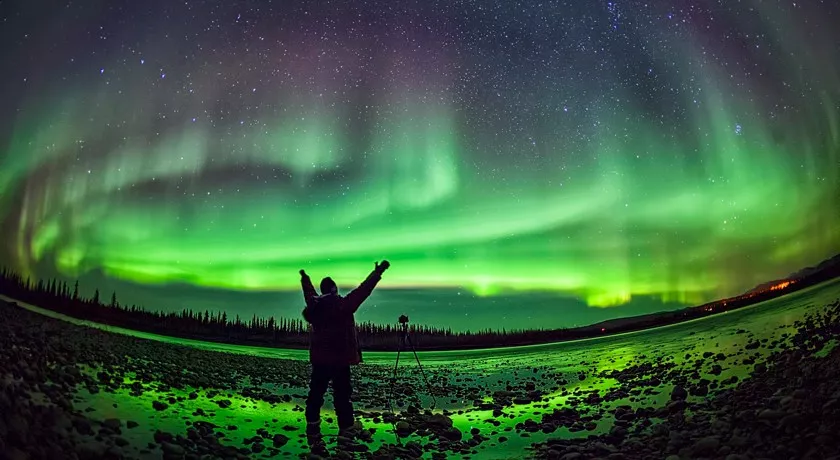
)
(606, 158)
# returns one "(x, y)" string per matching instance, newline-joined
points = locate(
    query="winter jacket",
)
(332, 333)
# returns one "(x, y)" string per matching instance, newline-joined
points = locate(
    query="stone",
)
(171, 449)
(770, 414)
(453, 434)
(279, 440)
(120, 441)
(706, 446)
(112, 424)
(90, 450)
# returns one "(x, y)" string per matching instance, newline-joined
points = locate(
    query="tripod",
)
(405, 338)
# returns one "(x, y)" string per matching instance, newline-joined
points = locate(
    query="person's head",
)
(328, 286)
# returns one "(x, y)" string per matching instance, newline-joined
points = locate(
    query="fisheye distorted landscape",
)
(659, 180)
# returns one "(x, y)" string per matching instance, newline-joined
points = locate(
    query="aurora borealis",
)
(600, 151)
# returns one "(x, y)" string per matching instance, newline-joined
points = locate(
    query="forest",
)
(62, 298)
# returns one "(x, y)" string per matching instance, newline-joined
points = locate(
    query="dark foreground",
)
(75, 392)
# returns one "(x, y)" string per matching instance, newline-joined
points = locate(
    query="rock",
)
(112, 424)
(82, 425)
(114, 452)
(678, 393)
(131, 424)
(171, 449)
(801, 394)
(453, 434)
(737, 442)
(791, 421)
(700, 390)
(736, 457)
(675, 406)
(90, 450)
(438, 421)
(120, 441)
(279, 440)
(618, 432)
(706, 446)
(770, 414)
(159, 405)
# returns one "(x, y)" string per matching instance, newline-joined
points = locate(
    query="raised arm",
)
(308, 289)
(355, 298)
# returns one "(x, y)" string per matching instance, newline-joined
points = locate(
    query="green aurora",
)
(710, 168)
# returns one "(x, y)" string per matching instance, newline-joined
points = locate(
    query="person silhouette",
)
(333, 348)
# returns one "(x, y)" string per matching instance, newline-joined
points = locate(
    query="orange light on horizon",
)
(781, 285)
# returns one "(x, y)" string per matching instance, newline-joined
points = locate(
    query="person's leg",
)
(318, 382)
(342, 391)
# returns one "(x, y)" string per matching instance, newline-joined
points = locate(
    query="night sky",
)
(505, 156)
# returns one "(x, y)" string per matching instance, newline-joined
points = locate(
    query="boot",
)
(352, 431)
(348, 438)
(317, 446)
(313, 428)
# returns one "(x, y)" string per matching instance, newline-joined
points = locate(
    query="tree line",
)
(58, 296)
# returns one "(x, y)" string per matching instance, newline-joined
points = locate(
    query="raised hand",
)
(302, 273)
(382, 266)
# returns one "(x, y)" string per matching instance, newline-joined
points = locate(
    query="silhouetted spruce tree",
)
(76, 291)
(95, 299)
(114, 299)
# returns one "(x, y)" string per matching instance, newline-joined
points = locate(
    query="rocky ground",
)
(770, 397)
(788, 408)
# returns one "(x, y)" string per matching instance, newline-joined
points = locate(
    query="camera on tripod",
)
(405, 344)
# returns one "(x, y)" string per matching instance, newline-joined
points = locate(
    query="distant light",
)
(142, 61)
(101, 71)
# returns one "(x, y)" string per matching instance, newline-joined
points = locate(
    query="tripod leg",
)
(422, 372)
(394, 377)
(393, 382)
